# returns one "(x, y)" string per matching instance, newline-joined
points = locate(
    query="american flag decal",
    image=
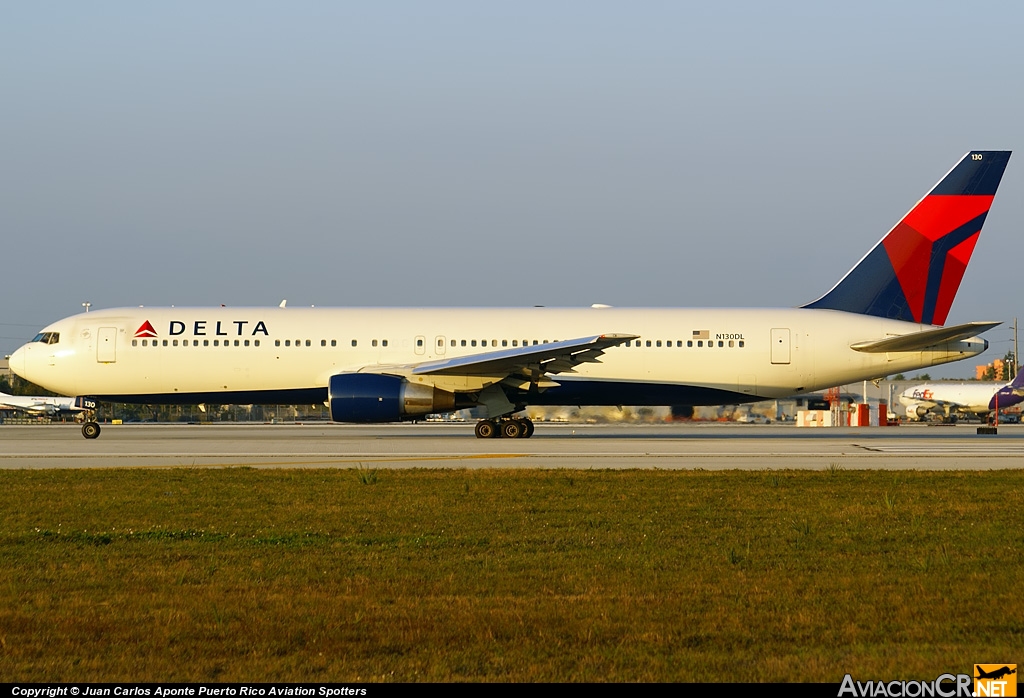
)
(700, 334)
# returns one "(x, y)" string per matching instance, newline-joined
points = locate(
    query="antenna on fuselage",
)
(283, 303)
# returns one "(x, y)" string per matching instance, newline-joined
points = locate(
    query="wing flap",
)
(917, 341)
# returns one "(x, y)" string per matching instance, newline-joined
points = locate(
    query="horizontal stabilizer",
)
(916, 341)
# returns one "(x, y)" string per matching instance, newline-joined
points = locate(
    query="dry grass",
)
(419, 575)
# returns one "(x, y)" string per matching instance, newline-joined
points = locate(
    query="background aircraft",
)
(950, 401)
(45, 406)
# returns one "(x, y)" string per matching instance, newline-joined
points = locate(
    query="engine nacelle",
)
(916, 412)
(374, 398)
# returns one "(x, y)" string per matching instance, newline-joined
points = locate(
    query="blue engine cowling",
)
(375, 397)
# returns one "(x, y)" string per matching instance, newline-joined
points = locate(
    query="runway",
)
(576, 446)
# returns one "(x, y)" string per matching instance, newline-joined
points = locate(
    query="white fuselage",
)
(683, 356)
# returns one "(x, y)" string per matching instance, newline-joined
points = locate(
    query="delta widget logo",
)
(146, 330)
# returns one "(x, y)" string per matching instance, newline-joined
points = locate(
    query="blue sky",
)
(490, 154)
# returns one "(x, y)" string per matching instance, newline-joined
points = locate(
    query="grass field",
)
(492, 575)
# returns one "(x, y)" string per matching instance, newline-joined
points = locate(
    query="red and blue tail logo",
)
(914, 272)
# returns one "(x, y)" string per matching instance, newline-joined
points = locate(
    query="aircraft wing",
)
(917, 341)
(531, 362)
(938, 402)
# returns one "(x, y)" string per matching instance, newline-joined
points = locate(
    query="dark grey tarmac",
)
(577, 446)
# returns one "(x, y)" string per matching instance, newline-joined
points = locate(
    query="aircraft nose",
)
(17, 361)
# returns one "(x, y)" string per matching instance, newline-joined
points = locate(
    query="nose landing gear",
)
(506, 427)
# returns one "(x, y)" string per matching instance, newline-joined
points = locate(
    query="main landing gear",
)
(506, 427)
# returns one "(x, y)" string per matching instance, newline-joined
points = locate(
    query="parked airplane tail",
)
(1017, 384)
(913, 273)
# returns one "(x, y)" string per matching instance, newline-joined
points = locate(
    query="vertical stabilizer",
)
(914, 272)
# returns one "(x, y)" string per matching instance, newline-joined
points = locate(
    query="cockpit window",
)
(47, 337)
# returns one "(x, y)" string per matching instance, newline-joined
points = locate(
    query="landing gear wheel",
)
(486, 429)
(512, 429)
(527, 428)
(90, 430)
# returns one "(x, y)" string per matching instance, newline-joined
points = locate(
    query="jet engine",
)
(916, 412)
(374, 397)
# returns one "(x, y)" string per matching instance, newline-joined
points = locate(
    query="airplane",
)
(376, 365)
(995, 673)
(950, 401)
(45, 406)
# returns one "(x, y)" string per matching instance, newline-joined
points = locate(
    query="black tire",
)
(527, 428)
(486, 429)
(90, 430)
(512, 429)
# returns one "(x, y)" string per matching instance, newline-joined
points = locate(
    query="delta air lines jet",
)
(390, 364)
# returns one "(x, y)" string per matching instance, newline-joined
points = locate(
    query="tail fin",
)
(914, 272)
(1018, 381)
